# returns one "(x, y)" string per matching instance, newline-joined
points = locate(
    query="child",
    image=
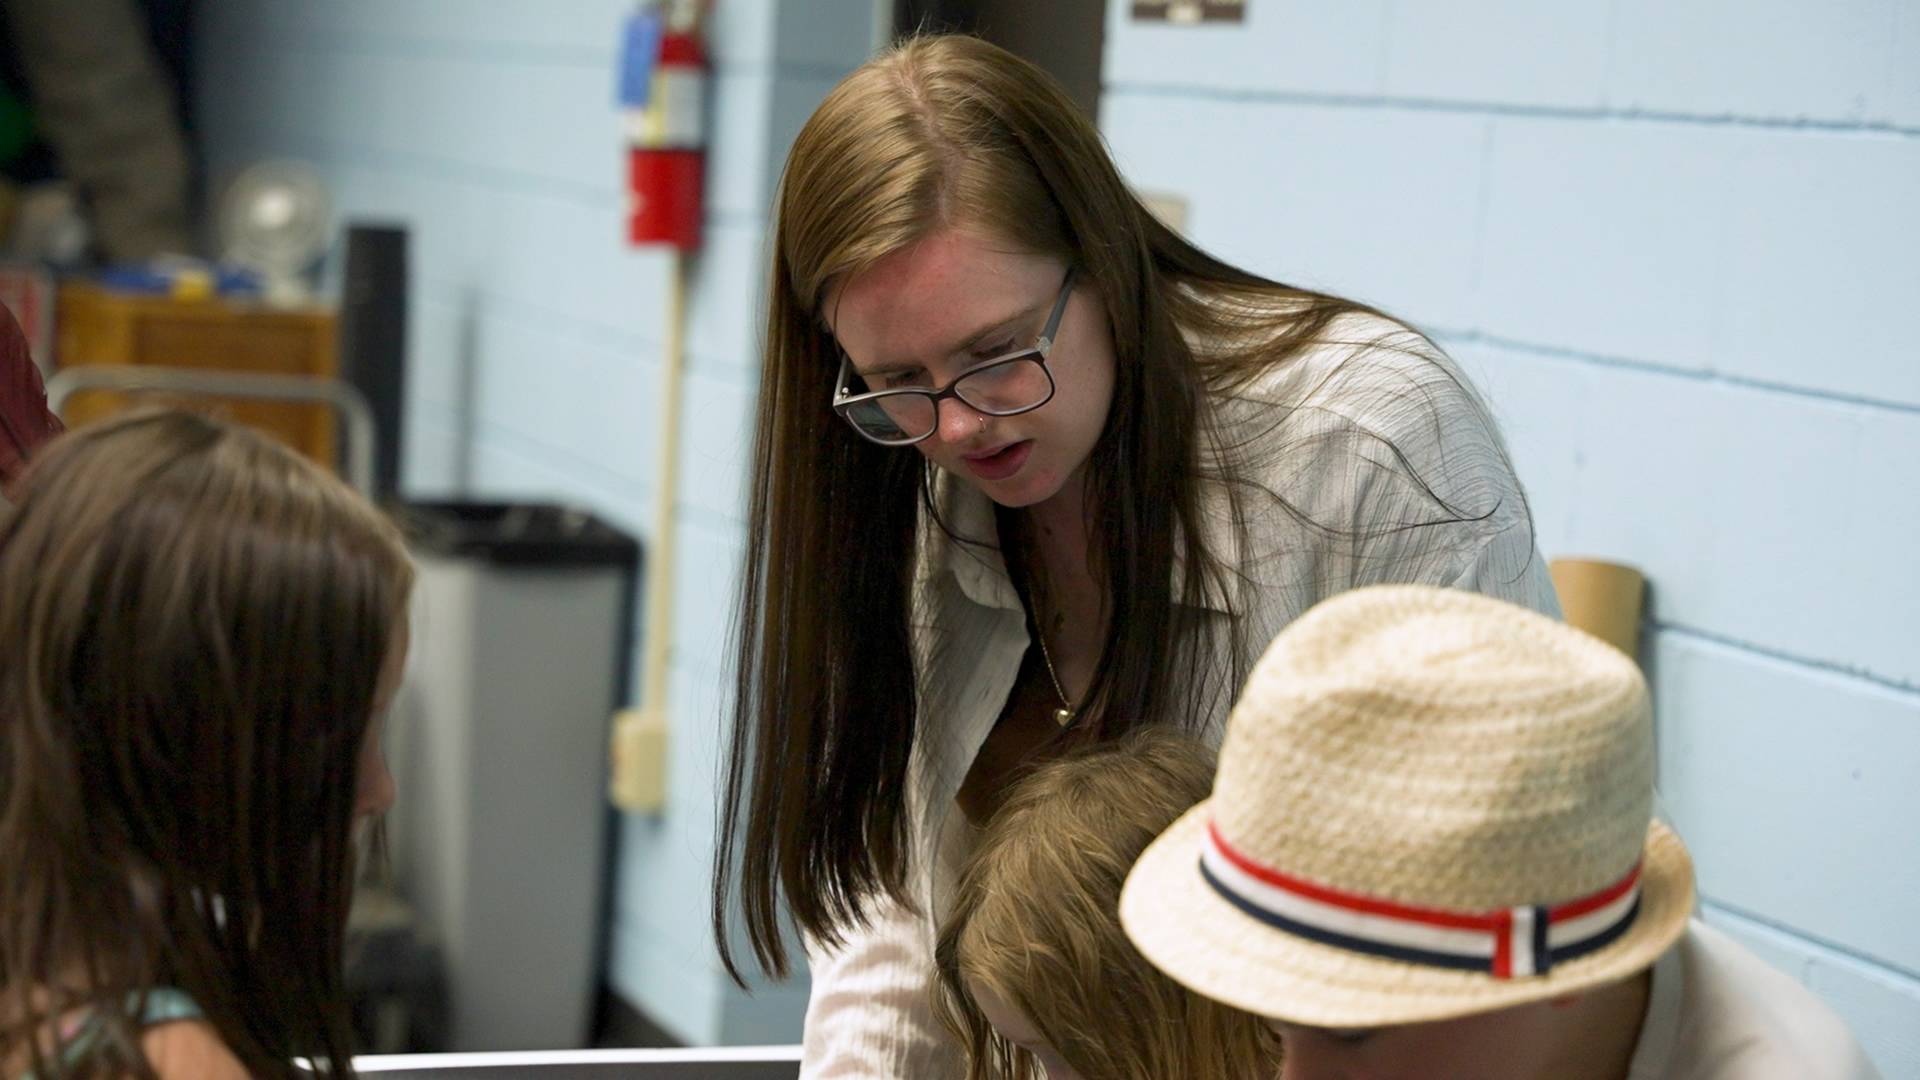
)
(200, 631)
(1036, 972)
(1429, 853)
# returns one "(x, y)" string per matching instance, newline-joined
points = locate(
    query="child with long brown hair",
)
(201, 630)
(1038, 977)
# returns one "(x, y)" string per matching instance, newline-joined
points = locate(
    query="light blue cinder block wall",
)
(1679, 246)
(1676, 242)
(487, 127)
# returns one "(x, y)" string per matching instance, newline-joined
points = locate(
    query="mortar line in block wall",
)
(505, 309)
(629, 346)
(775, 68)
(1490, 108)
(597, 56)
(426, 47)
(1650, 367)
(626, 491)
(1908, 691)
(1816, 945)
(337, 154)
(503, 438)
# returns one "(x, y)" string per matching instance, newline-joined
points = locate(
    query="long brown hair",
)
(937, 132)
(1036, 921)
(196, 620)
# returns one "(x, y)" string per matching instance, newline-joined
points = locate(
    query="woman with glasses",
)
(1031, 471)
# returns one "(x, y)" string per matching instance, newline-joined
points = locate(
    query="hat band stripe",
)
(1513, 943)
(1343, 941)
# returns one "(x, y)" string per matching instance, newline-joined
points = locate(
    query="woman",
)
(1118, 468)
(202, 631)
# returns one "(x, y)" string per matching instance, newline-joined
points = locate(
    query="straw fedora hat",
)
(1430, 803)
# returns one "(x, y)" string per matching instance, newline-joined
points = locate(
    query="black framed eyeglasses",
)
(1003, 386)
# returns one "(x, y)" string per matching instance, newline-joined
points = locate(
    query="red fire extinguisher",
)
(663, 90)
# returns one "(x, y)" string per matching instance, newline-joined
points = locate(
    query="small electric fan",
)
(274, 219)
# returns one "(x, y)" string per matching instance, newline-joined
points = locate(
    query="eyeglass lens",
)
(1009, 386)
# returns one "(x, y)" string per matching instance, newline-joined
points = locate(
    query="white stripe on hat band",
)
(1356, 924)
(1520, 942)
(1564, 933)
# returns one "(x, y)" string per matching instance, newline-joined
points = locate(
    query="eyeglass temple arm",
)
(1059, 309)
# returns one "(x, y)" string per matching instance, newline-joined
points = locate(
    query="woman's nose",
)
(958, 421)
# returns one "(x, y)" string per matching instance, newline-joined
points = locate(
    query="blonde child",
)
(1036, 973)
(201, 630)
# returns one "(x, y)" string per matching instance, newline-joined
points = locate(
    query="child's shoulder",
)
(1736, 1009)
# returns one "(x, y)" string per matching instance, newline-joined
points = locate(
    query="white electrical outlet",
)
(639, 783)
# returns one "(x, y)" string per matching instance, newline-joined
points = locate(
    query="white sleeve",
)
(1394, 451)
(1490, 573)
(871, 1015)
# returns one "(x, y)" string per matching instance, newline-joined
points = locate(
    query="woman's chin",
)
(1020, 491)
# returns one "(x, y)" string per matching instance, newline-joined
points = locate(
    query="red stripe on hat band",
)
(1576, 908)
(1498, 923)
(1503, 945)
(1353, 901)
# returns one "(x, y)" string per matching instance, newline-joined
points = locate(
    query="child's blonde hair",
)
(1036, 922)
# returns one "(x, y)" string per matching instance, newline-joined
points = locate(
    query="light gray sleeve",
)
(1446, 507)
(1490, 572)
(1384, 464)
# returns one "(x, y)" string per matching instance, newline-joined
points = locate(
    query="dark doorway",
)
(1062, 36)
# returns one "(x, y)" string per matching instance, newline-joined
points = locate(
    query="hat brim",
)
(1212, 947)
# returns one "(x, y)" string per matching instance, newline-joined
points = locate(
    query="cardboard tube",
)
(1602, 598)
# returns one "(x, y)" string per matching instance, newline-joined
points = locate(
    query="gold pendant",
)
(1063, 717)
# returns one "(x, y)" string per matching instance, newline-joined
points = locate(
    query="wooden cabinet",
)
(96, 326)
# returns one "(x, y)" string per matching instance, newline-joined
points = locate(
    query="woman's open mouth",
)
(1002, 463)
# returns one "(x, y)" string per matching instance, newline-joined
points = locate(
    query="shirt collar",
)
(969, 548)
(969, 545)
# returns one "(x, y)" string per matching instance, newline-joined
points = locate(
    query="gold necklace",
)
(1062, 716)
